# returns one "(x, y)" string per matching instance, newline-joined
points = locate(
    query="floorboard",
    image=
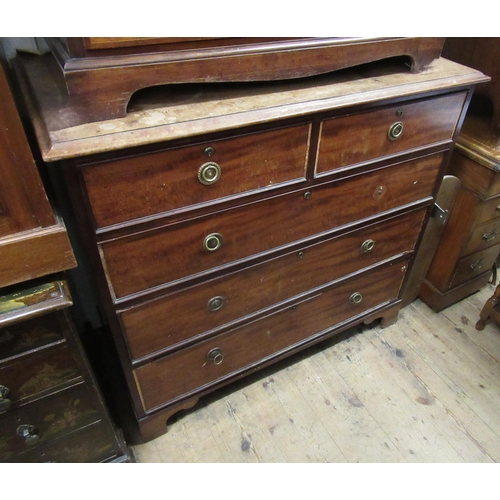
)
(424, 390)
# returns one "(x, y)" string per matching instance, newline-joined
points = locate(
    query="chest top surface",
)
(175, 112)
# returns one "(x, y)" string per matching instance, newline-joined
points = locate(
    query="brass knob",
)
(355, 298)
(216, 356)
(367, 246)
(212, 242)
(490, 235)
(395, 131)
(4, 402)
(215, 303)
(28, 432)
(209, 173)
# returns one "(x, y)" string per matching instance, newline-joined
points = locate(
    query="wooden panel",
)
(489, 210)
(35, 375)
(51, 417)
(96, 42)
(169, 321)
(142, 186)
(159, 381)
(176, 252)
(364, 137)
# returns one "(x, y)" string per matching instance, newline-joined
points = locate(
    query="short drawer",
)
(359, 138)
(92, 444)
(155, 183)
(191, 313)
(36, 375)
(474, 265)
(183, 250)
(29, 335)
(210, 361)
(483, 237)
(490, 210)
(49, 418)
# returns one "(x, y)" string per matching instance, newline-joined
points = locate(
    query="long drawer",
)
(363, 137)
(170, 321)
(157, 257)
(141, 186)
(207, 362)
(35, 375)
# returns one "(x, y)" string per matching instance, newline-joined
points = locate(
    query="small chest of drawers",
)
(238, 227)
(50, 407)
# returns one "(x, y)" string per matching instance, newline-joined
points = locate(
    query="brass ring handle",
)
(367, 246)
(395, 131)
(215, 303)
(213, 242)
(355, 298)
(209, 173)
(4, 402)
(216, 356)
(28, 432)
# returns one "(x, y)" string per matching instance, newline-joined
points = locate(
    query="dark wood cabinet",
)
(229, 228)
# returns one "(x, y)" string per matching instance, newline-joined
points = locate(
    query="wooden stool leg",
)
(490, 304)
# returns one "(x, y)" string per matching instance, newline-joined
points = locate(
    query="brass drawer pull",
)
(4, 402)
(216, 356)
(28, 432)
(355, 298)
(209, 173)
(367, 246)
(477, 265)
(213, 242)
(490, 235)
(395, 131)
(215, 303)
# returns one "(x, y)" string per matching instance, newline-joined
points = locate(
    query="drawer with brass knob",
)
(197, 312)
(135, 187)
(359, 138)
(192, 248)
(45, 420)
(207, 362)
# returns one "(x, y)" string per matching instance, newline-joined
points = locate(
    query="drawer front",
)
(142, 186)
(203, 308)
(483, 237)
(474, 265)
(186, 371)
(490, 210)
(47, 419)
(364, 137)
(93, 444)
(20, 338)
(172, 253)
(35, 375)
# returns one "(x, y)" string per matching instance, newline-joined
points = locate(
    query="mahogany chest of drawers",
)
(232, 226)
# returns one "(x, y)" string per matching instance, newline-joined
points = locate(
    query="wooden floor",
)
(424, 390)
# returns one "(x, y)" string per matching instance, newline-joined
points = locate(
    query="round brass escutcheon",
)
(215, 303)
(209, 173)
(307, 195)
(367, 246)
(395, 131)
(355, 298)
(215, 355)
(212, 242)
(301, 254)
